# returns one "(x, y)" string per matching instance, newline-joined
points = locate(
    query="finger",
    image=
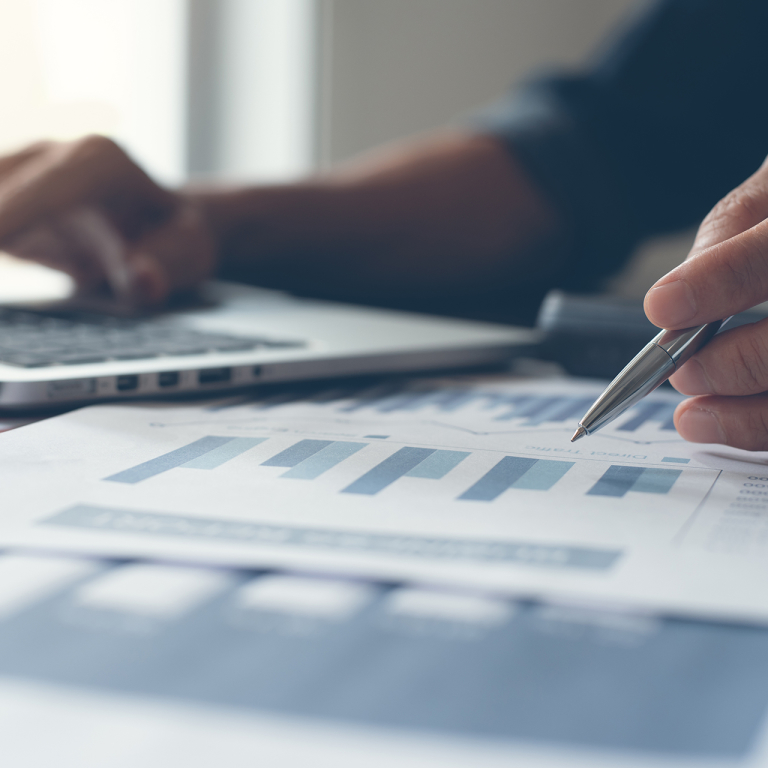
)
(101, 246)
(741, 422)
(71, 175)
(734, 363)
(738, 211)
(174, 257)
(727, 270)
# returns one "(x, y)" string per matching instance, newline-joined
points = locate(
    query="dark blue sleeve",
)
(670, 117)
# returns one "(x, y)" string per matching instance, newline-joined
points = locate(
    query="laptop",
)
(238, 336)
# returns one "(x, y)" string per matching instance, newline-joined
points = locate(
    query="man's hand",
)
(86, 209)
(725, 273)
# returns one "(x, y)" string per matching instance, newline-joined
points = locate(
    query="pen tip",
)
(580, 432)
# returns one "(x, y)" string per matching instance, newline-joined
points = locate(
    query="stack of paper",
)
(426, 572)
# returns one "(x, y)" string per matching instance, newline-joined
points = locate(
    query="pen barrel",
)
(651, 367)
(682, 345)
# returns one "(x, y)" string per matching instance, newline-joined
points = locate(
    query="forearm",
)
(443, 217)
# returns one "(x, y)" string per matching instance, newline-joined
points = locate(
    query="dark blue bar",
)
(168, 460)
(642, 413)
(499, 479)
(516, 404)
(455, 399)
(573, 407)
(538, 405)
(391, 469)
(616, 481)
(294, 455)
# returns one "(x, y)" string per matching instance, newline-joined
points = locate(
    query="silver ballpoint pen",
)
(652, 366)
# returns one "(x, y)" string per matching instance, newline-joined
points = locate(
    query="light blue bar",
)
(438, 465)
(323, 460)
(674, 460)
(389, 470)
(168, 460)
(297, 453)
(224, 453)
(543, 475)
(656, 480)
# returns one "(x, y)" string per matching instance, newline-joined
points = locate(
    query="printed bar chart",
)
(308, 459)
(516, 472)
(619, 480)
(206, 453)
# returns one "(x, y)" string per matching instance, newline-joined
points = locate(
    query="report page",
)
(467, 481)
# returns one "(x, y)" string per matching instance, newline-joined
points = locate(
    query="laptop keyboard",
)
(35, 339)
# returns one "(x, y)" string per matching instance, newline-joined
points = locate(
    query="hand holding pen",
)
(725, 273)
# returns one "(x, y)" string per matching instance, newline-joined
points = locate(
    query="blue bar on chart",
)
(618, 480)
(640, 414)
(675, 460)
(223, 453)
(297, 453)
(169, 460)
(660, 413)
(656, 480)
(323, 460)
(516, 472)
(393, 468)
(438, 465)
(568, 408)
(538, 410)
(542, 475)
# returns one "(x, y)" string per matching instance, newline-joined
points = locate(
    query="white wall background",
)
(398, 67)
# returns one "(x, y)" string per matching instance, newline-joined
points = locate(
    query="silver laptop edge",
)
(336, 340)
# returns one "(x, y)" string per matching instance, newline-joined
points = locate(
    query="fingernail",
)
(692, 380)
(670, 305)
(700, 426)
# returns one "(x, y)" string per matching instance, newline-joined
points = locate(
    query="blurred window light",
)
(73, 67)
(253, 81)
(208, 87)
(221, 88)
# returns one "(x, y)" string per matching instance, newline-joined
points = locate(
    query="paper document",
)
(472, 482)
(156, 665)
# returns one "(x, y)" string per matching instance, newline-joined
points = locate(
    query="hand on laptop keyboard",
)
(86, 209)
